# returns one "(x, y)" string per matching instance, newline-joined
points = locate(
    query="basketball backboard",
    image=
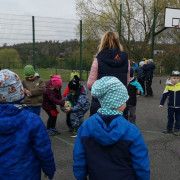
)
(172, 17)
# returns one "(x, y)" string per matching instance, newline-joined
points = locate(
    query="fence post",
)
(120, 20)
(80, 49)
(179, 58)
(153, 33)
(34, 47)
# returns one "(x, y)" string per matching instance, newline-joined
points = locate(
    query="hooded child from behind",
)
(107, 143)
(25, 147)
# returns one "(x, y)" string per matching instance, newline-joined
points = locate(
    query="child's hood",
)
(168, 82)
(113, 57)
(10, 118)
(104, 135)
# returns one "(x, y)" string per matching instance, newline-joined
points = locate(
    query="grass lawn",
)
(45, 73)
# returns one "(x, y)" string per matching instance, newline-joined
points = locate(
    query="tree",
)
(9, 58)
(102, 15)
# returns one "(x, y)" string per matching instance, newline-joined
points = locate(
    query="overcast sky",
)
(43, 8)
(60, 24)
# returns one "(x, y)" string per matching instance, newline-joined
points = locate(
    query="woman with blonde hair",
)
(110, 60)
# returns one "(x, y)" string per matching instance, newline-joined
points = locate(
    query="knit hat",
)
(11, 88)
(56, 80)
(144, 59)
(131, 73)
(150, 61)
(175, 73)
(74, 84)
(111, 94)
(141, 63)
(29, 71)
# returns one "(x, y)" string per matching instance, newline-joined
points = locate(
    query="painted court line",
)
(155, 132)
(63, 140)
(72, 145)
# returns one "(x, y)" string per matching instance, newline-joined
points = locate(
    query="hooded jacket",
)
(173, 93)
(148, 70)
(52, 97)
(36, 88)
(79, 101)
(110, 62)
(113, 62)
(132, 88)
(25, 146)
(110, 148)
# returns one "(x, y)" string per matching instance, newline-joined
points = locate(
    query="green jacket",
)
(36, 88)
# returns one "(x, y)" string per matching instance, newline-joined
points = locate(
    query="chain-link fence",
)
(67, 44)
(41, 41)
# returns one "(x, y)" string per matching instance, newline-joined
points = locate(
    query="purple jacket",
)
(51, 97)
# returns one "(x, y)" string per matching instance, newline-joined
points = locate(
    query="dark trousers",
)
(148, 87)
(141, 82)
(95, 105)
(173, 112)
(132, 114)
(51, 122)
(68, 121)
(125, 112)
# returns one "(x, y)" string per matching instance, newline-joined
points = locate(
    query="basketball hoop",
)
(176, 26)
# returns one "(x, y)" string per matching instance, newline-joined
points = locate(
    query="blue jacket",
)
(173, 93)
(25, 147)
(140, 74)
(110, 149)
(148, 70)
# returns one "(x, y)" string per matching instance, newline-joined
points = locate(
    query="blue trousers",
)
(76, 118)
(173, 112)
(35, 109)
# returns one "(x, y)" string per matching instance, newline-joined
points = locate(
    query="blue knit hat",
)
(11, 88)
(111, 94)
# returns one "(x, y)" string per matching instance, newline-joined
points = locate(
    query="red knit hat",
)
(56, 80)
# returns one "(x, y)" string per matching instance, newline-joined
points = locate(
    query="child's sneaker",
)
(74, 133)
(177, 133)
(50, 132)
(168, 131)
(55, 131)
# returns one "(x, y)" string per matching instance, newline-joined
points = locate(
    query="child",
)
(66, 92)
(25, 147)
(108, 146)
(148, 69)
(51, 98)
(34, 89)
(79, 98)
(141, 76)
(132, 88)
(172, 91)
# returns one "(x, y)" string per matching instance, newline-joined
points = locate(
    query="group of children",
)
(49, 96)
(144, 74)
(116, 142)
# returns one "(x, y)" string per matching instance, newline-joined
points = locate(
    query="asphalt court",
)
(151, 120)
